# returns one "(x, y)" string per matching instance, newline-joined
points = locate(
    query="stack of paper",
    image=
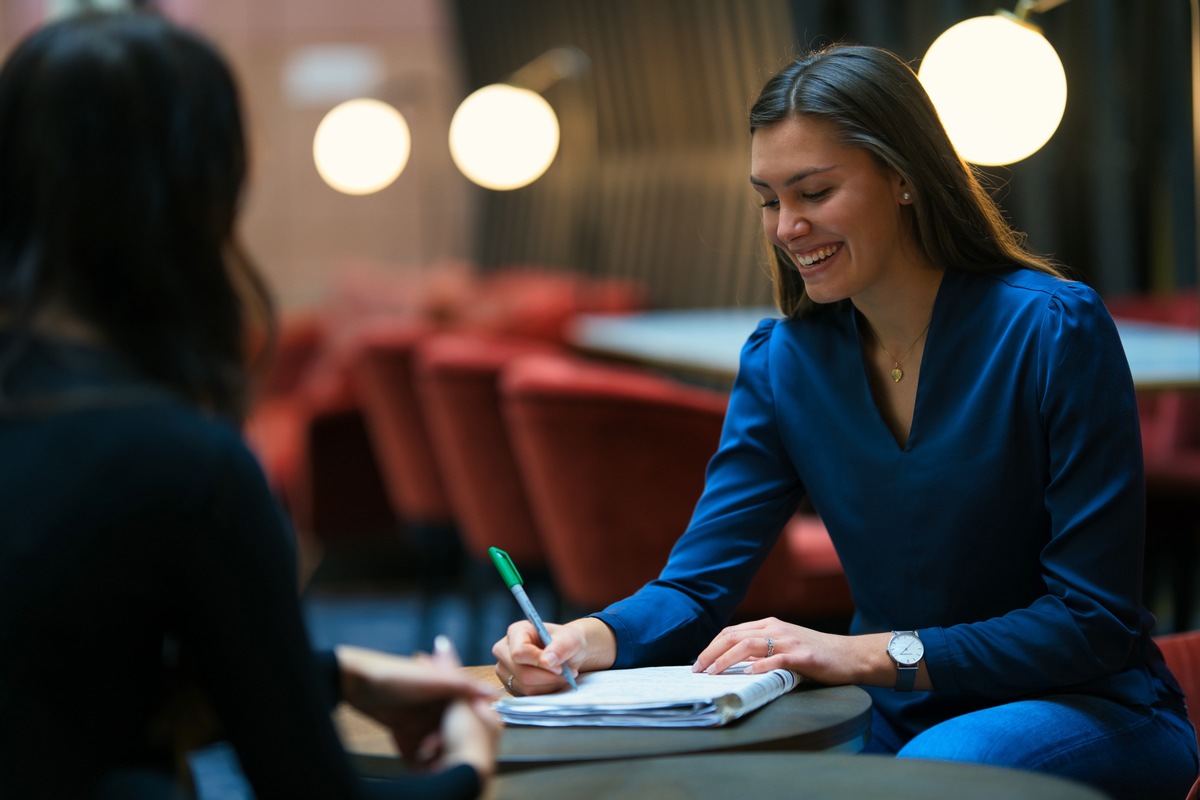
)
(656, 697)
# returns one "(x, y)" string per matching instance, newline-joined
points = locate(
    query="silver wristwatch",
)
(907, 650)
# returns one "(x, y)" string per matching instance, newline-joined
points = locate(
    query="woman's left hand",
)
(774, 644)
(409, 695)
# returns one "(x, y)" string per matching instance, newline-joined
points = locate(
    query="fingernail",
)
(444, 649)
(551, 660)
(696, 667)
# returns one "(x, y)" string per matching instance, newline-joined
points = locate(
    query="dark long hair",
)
(122, 164)
(876, 102)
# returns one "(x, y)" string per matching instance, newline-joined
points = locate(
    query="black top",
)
(139, 542)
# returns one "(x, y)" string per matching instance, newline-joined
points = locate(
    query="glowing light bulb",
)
(361, 146)
(999, 88)
(504, 137)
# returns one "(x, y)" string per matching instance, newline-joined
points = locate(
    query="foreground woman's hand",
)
(427, 702)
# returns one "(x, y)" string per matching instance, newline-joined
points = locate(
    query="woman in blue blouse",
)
(962, 416)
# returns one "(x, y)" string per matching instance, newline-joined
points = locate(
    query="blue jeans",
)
(1130, 753)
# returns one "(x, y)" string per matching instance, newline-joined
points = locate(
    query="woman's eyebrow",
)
(799, 176)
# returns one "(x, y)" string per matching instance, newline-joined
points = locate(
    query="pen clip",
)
(508, 570)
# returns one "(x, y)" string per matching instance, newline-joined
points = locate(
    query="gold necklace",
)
(897, 372)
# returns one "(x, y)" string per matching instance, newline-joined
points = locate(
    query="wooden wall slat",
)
(650, 181)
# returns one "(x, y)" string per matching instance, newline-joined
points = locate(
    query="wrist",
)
(354, 672)
(875, 666)
(598, 644)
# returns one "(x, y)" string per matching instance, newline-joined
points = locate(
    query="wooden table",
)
(812, 776)
(707, 342)
(810, 718)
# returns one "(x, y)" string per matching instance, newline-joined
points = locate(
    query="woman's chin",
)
(822, 292)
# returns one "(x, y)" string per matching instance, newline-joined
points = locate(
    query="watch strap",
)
(906, 674)
(906, 677)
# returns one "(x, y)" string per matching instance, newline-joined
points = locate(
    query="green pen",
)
(512, 579)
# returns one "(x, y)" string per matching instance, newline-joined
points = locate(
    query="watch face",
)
(906, 648)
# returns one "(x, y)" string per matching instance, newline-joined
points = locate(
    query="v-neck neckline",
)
(865, 368)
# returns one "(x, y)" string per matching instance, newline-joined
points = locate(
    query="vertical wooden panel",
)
(651, 176)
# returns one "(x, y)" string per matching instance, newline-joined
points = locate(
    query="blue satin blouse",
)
(1008, 531)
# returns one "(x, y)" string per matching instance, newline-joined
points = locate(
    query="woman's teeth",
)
(817, 256)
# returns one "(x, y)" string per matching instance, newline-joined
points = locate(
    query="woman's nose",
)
(792, 225)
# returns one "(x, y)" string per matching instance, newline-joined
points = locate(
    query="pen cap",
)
(508, 570)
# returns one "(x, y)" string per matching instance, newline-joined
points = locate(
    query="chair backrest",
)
(613, 459)
(1178, 307)
(383, 376)
(1182, 653)
(805, 583)
(1170, 420)
(538, 302)
(297, 345)
(457, 381)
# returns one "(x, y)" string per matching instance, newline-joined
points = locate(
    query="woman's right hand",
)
(524, 667)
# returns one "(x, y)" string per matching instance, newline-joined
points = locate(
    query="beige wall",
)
(304, 234)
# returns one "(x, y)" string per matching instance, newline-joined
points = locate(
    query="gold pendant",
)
(897, 374)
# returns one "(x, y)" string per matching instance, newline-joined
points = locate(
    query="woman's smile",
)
(812, 258)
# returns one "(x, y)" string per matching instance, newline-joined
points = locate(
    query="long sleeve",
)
(750, 492)
(244, 624)
(139, 543)
(1085, 624)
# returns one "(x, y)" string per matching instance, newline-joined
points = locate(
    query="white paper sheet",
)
(650, 697)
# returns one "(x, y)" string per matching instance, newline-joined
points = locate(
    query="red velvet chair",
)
(382, 373)
(457, 378)
(273, 424)
(349, 462)
(307, 431)
(613, 459)
(537, 302)
(1171, 449)
(525, 302)
(1182, 653)
(1177, 307)
(1173, 499)
(307, 425)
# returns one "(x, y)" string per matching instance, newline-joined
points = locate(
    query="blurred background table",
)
(810, 718)
(813, 776)
(707, 342)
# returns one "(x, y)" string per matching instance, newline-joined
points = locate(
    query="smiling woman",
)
(932, 390)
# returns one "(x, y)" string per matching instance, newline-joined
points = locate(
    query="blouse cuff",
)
(460, 782)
